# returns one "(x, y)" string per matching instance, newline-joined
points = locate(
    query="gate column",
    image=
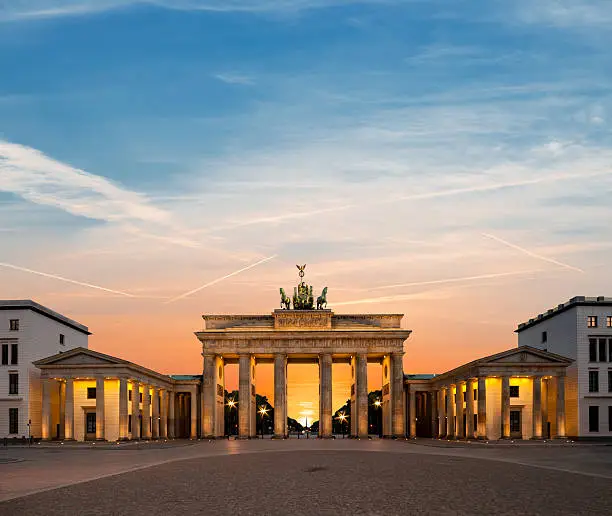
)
(397, 390)
(325, 396)
(280, 395)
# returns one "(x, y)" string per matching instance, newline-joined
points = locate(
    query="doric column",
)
(69, 410)
(123, 409)
(459, 430)
(100, 408)
(280, 395)
(397, 390)
(163, 414)
(325, 396)
(155, 412)
(135, 410)
(412, 410)
(62, 410)
(433, 397)
(193, 429)
(505, 407)
(537, 407)
(545, 387)
(560, 407)
(244, 396)
(209, 396)
(482, 407)
(469, 409)
(46, 408)
(171, 421)
(442, 413)
(146, 413)
(362, 394)
(450, 413)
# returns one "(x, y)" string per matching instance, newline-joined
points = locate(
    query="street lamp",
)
(263, 411)
(231, 404)
(342, 417)
(377, 404)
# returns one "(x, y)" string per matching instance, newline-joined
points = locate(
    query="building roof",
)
(573, 302)
(183, 377)
(28, 304)
(419, 376)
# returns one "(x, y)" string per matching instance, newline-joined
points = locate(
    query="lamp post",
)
(342, 417)
(377, 404)
(231, 404)
(263, 411)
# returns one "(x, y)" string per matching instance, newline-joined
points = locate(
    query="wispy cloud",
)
(28, 9)
(233, 78)
(62, 278)
(32, 175)
(531, 253)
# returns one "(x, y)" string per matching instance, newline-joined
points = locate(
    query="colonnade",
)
(212, 392)
(118, 416)
(450, 402)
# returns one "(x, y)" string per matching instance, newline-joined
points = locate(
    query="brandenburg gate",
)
(303, 334)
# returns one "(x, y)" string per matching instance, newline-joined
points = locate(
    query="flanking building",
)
(580, 329)
(29, 332)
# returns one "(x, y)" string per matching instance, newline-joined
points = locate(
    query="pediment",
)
(526, 355)
(79, 356)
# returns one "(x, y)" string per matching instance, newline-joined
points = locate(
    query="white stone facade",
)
(565, 330)
(38, 333)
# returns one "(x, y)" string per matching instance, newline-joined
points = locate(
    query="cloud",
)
(32, 175)
(232, 78)
(30, 9)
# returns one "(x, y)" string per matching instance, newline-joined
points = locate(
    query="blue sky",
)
(152, 147)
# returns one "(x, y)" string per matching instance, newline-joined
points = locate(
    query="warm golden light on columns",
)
(280, 395)
(505, 406)
(123, 409)
(100, 408)
(560, 381)
(46, 408)
(469, 409)
(135, 410)
(482, 407)
(537, 407)
(69, 410)
(325, 398)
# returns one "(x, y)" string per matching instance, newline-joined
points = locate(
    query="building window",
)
(4, 354)
(465, 396)
(544, 337)
(140, 397)
(475, 394)
(91, 393)
(13, 421)
(610, 418)
(13, 383)
(592, 321)
(610, 350)
(129, 395)
(130, 422)
(14, 324)
(514, 391)
(602, 350)
(14, 354)
(593, 418)
(62, 339)
(476, 422)
(592, 350)
(593, 381)
(610, 381)
(609, 321)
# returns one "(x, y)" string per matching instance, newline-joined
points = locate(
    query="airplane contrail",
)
(404, 297)
(531, 253)
(61, 278)
(457, 280)
(210, 283)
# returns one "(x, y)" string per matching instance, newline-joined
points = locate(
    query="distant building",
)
(580, 329)
(29, 332)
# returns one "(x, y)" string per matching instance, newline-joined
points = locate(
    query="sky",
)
(445, 159)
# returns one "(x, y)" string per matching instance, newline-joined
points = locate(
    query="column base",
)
(560, 437)
(123, 439)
